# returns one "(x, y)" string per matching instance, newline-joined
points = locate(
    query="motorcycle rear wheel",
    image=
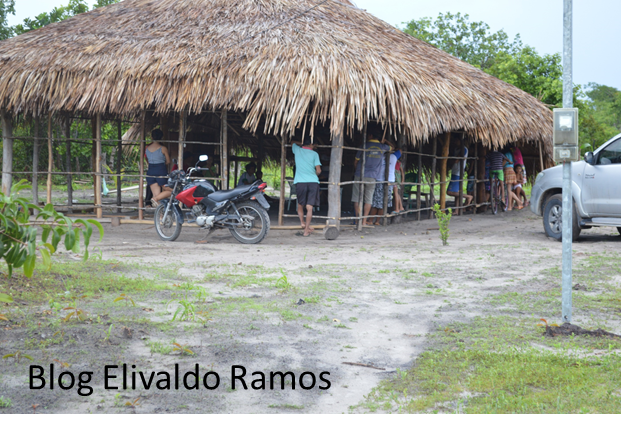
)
(256, 223)
(168, 229)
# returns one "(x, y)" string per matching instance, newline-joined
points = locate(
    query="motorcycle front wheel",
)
(255, 223)
(168, 229)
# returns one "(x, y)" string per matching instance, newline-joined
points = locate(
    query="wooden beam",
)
(480, 190)
(385, 184)
(182, 130)
(419, 172)
(331, 232)
(462, 165)
(224, 152)
(141, 167)
(476, 174)
(283, 156)
(361, 189)
(35, 161)
(443, 162)
(66, 131)
(119, 159)
(98, 202)
(50, 159)
(432, 181)
(7, 152)
(94, 151)
(541, 157)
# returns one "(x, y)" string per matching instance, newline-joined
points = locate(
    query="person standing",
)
(157, 160)
(453, 187)
(306, 180)
(373, 171)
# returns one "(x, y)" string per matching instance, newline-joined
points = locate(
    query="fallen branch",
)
(363, 365)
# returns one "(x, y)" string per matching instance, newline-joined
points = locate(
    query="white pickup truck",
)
(596, 189)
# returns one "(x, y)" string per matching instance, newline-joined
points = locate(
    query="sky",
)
(539, 23)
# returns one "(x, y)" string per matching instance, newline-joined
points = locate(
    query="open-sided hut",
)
(255, 73)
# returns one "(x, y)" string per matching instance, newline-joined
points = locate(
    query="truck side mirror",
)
(589, 158)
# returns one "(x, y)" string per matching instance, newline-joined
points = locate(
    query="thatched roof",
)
(336, 63)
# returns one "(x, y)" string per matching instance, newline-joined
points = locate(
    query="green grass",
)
(159, 347)
(287, 406)
(5, 402)
(497, 365)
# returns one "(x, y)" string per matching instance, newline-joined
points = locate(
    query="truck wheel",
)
(553, 219)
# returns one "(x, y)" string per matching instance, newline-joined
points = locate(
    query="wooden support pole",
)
(7, 151)
(480, 190)
(66, 131)
(475, 186)
(224, 153)
(261, 153)
(432, 181)
(362, 163)
(98, 201)
(443, 162)
(541, 157)
(94, 152)
(385, 184)
(141, 167)
(182, 129)
(419, 172)
(236, 171)
(283, 161)
(50, 159)
(119, 159)
(35, 161)
(333, 225)
(462, 165)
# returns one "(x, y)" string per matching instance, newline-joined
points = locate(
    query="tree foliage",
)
(7, 7)
(19, 242)
(521, 65)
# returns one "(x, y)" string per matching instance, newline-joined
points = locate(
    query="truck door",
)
(601, 187)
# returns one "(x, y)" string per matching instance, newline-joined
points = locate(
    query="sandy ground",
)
(387, 287)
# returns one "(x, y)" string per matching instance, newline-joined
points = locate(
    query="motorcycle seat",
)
(224, 195)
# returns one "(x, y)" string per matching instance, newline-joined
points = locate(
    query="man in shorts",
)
(373, 171)
(306, 180)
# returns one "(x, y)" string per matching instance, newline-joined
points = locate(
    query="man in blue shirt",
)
(306, 180)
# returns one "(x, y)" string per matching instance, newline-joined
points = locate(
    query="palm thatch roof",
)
(283, 63)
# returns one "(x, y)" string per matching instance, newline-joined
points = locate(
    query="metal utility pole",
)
(567, 194)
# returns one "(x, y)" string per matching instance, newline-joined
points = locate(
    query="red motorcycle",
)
(243, 210)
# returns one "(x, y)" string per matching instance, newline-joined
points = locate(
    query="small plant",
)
(444, 218)
(108, 333)
(183, 349)
(282, 282)
(74, 311)
(4, 298)
(17, 356)
(133, 403)
(127, 299)
(62, 364)
(5, 402)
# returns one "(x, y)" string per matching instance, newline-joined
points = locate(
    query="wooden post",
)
(224, 153)
(7, 152)
(261, 153)
(331, 231)
(445, 153)
(98, 201)
(35, 162)
(235, 175)
(385, 184)
(362, 186)
(462, 165)
(141, 167)
(480, 190)
(50, 159)
(419, 172)
(432, 181)
(94, 152)
(475, 186)
(119, 158)
(540, 157)
(283, 157)
(66, 131)
(182, 129)
(404, 159)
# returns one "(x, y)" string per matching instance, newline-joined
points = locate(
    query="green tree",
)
(472, 42)
(7, 7)
(606, 103)
(74, 7)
